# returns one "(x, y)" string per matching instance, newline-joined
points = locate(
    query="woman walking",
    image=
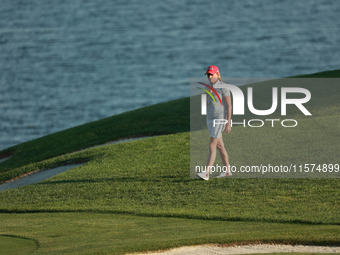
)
(217, 110)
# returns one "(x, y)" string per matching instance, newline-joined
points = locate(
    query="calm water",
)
(65, 63)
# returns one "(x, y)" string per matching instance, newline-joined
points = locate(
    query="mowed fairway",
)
(139, 196)
(97, 233)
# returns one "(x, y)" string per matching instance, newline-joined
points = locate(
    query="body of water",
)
(68, 62)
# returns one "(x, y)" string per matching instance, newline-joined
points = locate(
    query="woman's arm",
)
(228, 104)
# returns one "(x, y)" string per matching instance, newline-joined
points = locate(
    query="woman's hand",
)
(228, 128)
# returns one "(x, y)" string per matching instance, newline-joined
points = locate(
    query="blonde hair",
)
(219, 76)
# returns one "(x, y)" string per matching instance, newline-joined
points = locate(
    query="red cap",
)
(212, 70)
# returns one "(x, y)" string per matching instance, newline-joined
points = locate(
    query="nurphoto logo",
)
(238, 104)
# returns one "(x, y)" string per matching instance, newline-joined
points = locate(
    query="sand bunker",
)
(36, 177)
(210, 249)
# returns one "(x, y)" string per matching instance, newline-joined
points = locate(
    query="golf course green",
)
(138, 196)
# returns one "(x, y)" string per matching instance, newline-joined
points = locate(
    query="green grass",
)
(139, 195)
(312, 141)
(96, 233)
(152, 120)
(151, 177)
(15, 245)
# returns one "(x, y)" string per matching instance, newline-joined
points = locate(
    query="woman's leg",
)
(223, 152)
(212, 152)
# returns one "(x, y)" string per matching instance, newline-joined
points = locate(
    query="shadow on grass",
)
(170, 215)
(121, 179)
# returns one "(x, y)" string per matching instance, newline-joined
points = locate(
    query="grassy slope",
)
(150, 178)
(152, 120)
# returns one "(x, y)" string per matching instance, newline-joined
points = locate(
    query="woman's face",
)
(212, 77)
